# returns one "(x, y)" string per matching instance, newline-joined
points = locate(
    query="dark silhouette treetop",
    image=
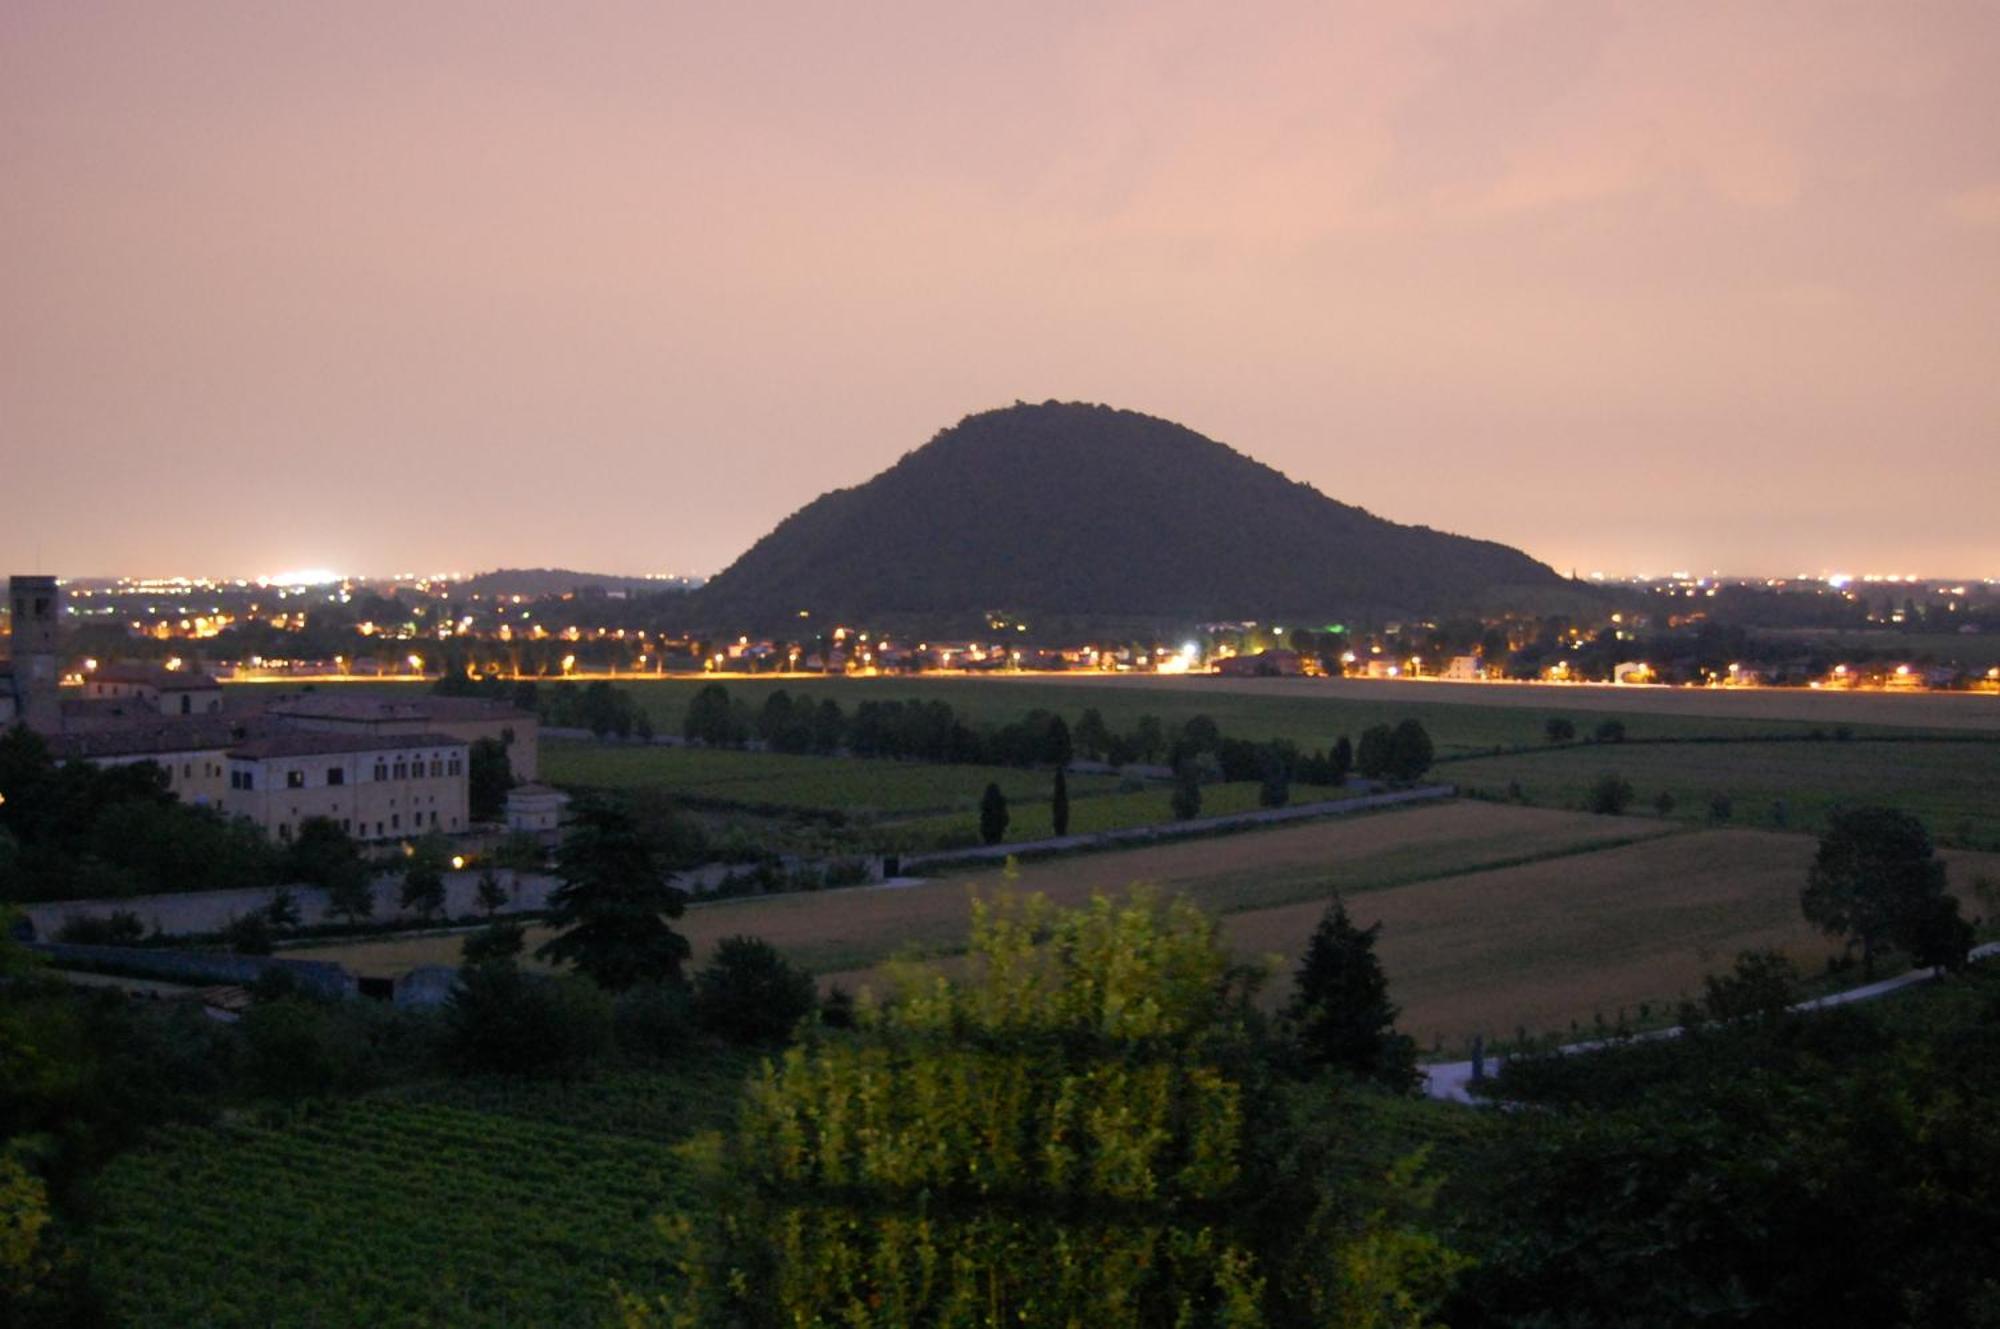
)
(611, 912)
(1075, 508)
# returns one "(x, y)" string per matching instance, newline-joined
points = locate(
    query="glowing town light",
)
(457, 862)
(417, 663)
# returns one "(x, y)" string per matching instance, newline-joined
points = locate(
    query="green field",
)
(463, 1202)
(1313, 715)
(381, 1213)
(1951, 786)
(1029, 819)
(851, 785)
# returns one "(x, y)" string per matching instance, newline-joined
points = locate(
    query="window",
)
(187, 704)
(396, 822)
(381, 770)
(295, 779)
(346, 825)
(336, 775)
(454, 768)
(437, 769)
(402, 771)
(187, 770)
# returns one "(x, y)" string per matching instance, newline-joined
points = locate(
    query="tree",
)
(612, 910)
(1092, 735)
(1058, 749)
(1073, 1133)
(496, 943)
(488, 776)
(501, 1020)
(1340, 1011)
(249, 934)
(423, 876)
(1410, 751)
(1342, 758)
(1611, 731)
(325, 856)
(1059, 804)
(1559, 729)
(282, 913)
(1936, 935)
(1186, 800)
(1873, 879)
(1611, 795)
(749, 993)
(492, 895)
(711, 720)
(1274, 788)
(992, 815)
(1375, 754)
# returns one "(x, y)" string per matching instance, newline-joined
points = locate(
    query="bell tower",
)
(35, 638)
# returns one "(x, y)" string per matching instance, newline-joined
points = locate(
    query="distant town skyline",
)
(618, 287)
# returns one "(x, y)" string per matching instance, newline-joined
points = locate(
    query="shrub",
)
(120, 927)
(294, 1049)
(1559, 729)
(749, 993)
(1611, 795)
(654, 1021)
(1611, 731)
(501, 1020)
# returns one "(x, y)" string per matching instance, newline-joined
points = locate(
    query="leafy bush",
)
(749, 993)
(1611, 795)
(120, 927)
(654, 1021)
(501, 1020)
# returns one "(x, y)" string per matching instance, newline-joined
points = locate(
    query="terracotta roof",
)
(194, 733)
(298, 743)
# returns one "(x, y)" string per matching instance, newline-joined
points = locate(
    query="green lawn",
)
(1311, 722)
(766, 779)
(1952, 786)
(1029, 819)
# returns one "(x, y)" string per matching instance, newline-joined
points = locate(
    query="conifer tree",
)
(1340, 1011)
(1059, 804)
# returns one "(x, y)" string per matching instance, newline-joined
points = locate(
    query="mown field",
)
(854, 785)
(1954, 787)
(1313, 712)
(905, 807)
(1495, 917)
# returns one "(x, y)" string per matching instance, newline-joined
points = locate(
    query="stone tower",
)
(37, 627)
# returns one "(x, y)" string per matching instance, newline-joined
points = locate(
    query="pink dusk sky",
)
(430, 286)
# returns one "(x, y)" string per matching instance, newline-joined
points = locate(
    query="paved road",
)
(1452, 1080)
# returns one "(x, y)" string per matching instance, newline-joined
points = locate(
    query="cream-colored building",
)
(536, 809)
(373, 786)
(468, 719)
(191, 752)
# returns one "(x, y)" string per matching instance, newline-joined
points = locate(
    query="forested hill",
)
(1084, 510)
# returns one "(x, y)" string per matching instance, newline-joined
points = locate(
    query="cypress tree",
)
(992, 815)
(1059, 804)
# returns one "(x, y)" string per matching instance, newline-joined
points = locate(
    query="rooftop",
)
(300, 744)
(154, 676)
(444, 710)
(141, 738)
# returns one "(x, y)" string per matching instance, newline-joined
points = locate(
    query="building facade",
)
(374, 787)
